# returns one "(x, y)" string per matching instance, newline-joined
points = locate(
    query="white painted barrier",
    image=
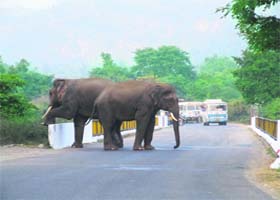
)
(274, 143)
(62, 135)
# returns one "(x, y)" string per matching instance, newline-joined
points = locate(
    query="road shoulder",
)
(259, 172)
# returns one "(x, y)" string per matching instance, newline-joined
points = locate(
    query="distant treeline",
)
(252, 79)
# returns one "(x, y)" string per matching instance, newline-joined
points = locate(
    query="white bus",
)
(214, 111)
(190, 111)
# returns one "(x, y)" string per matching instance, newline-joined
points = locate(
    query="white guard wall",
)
(275, 144)
(62, 135)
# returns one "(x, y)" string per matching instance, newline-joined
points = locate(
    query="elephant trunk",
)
(176, 132)
(175, 118)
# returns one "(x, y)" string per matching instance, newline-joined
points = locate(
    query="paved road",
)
(210, 164)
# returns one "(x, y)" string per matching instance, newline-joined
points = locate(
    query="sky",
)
(67, 37)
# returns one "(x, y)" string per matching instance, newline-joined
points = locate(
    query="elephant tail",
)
(93, 113)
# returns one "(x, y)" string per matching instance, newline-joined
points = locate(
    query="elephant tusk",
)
(49, 109)
(172, 116)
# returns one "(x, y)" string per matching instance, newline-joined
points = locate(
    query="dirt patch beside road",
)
(11, 152)
(259, 172)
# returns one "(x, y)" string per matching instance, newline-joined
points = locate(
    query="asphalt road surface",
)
(210, 164)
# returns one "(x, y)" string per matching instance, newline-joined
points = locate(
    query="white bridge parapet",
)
(274, 143)
(62, 135)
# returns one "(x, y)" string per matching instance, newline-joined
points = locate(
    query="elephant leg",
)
(108, 132)
(117, 137)
(149, 134)
(141, 128)
(79, 125)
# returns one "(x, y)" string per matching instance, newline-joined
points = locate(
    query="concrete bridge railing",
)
(270, 131)
(62, 135)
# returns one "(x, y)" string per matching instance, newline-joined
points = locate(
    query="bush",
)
(23, 131)
(239, 111)
(272, 110)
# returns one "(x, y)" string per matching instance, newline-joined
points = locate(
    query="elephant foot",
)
(149, 147)
(119, 145)
(138, 148)
(110, 148)
(76, 145)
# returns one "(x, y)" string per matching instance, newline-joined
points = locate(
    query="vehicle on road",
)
(214, 111)
(190, 111)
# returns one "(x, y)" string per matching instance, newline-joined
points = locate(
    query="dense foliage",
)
(261, 32)
(110, 70)
(20, 121)
(239, 111)
(215, 80)
(13, 102)
(166, 64)
(161, 62)
(271, 110)
(258, 77)
(36, 84)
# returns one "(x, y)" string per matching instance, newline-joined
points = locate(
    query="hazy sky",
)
(64, 37)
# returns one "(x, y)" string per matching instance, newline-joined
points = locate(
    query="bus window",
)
(222, 107)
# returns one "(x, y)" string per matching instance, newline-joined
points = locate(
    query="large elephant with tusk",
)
(73, 99)
(136, 100)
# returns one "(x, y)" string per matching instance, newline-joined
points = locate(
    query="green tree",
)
(261, 32)
(258, 76)
(36, 84)
(20, 119)
(164, 61)
(215, 80)
(13, 103)
(110, 70)
(167, 64)
(271, 110)
(214, 64)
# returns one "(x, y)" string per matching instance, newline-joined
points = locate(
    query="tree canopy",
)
(35, 83)
(261, 32)
(110, 69)
(168, 64)
(258, 77)
(164, 61)
(258, 74)
(215, 79)
(13, 102)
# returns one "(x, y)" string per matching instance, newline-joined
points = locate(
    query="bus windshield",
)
(217, 107)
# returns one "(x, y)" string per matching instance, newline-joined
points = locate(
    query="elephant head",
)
(165, 98)
(56, 94)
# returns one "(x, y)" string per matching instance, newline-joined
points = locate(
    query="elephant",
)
(73, 99)
(138, 100)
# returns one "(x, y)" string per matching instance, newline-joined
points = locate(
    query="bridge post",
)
(253, 122)
(278, 131)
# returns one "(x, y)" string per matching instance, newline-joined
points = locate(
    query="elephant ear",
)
(60, 87)
(156, 93)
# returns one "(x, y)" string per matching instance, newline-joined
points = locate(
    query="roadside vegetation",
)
(249, 81)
